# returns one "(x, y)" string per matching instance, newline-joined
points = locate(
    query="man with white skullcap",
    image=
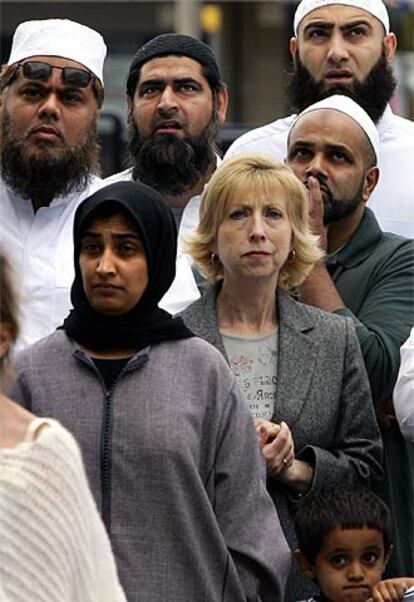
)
(51, 92)
(367, 275)
(346, 47)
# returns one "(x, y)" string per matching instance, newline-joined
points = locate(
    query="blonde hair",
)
(259, 176)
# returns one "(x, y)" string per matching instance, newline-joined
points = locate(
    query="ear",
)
(293, 45)
(222, 104)
(130, 107)
(6, 338)
(388, 556)
(304, 564)
(371, 180)
(390, 46)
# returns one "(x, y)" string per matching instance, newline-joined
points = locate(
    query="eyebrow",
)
(121, 235)
(329, 25)
(177, 80)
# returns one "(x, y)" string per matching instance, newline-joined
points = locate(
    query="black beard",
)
(45, 175)
(172, 165)
(337, 209)
(373, 94)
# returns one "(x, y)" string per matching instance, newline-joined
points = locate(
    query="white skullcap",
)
(349, 107)
(376, 7)
(62, 38)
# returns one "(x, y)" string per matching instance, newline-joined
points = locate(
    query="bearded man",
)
(366, 275)
(176, 103)
(346, 47)
(51, 91)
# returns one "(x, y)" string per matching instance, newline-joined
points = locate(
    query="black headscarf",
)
(145, 324)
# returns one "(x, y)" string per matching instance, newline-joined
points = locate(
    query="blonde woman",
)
(300, 369)
(54, 547)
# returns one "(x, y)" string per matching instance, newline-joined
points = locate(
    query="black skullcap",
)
(178, 44)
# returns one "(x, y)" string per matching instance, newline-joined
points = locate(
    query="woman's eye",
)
(238, 214)
(274, 213)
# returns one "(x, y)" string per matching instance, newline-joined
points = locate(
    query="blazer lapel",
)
(297, 353)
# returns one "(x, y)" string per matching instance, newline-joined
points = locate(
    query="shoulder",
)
(401, 126)
(118, 177)
(264, 139)
(302, 315)
(189, 354)
(48, 349)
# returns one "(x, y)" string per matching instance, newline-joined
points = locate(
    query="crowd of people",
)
(207, 380)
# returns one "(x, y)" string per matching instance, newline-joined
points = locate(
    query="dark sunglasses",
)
(71, 76)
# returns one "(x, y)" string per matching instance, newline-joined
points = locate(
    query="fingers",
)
(266, 431)
(279, 452)
(390, 590)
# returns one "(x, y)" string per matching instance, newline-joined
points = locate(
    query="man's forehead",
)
(172, 65)
(337, 14)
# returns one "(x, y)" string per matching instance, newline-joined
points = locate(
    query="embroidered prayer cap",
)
(376, 8)
(60, 38)
(349, 107)
(176, 44)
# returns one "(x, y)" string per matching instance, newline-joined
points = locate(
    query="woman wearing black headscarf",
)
(168, 443)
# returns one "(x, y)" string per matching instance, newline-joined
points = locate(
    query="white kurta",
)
(393, 199)
(40, 249)
(183, 290)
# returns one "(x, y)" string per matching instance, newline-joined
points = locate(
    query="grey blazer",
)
(323, 395)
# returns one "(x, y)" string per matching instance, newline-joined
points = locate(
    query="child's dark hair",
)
(344, 507)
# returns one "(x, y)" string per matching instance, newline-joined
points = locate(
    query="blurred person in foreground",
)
(367, 274)
(54, 547)
(300, 368)
(51, 91)
(176, 104)
(169, 446)
(346, 47)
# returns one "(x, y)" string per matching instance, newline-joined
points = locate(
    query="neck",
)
(110, 354)
(239, 311)
(183, 199)
(39, 200)
(14, 422)
(341, 232)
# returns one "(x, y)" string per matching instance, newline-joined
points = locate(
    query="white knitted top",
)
(53, 545)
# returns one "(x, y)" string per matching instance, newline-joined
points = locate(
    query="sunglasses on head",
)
(71, 76)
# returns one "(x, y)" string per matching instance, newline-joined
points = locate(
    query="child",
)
(344, 538)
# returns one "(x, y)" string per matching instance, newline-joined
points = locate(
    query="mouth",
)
(338, 75)
(46, 133)
(168, 127)
(105, 287)
(255, 254)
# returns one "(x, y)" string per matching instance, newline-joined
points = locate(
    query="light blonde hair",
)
(261, 177)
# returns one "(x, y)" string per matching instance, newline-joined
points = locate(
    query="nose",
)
(316, 167)
(50, 107)
(167, 100)
(355, 571)
(338, 50)
(257, 229)
(106, 263)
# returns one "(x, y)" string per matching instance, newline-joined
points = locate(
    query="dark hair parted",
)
(345, 507)
(179, 45)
